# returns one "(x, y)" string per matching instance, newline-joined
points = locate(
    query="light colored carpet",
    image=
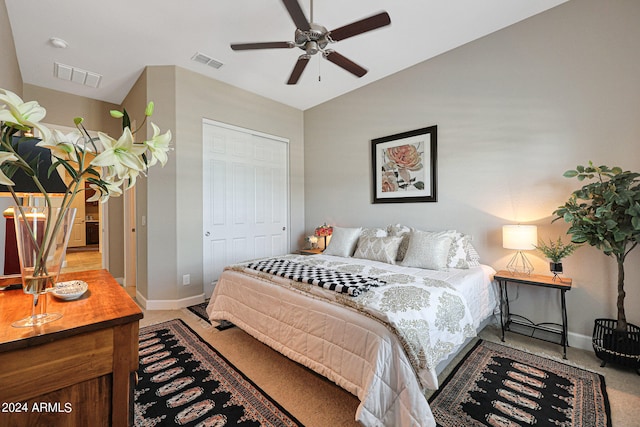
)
(317, 402)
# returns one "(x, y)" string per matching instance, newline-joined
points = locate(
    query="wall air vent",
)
(76, 75)
(206, 60)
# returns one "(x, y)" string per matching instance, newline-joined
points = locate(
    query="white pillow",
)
(428, 250)
(383, 249)
(343, 241)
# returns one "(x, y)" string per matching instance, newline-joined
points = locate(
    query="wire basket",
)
(614, 346)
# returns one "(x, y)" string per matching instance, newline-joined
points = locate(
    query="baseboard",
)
(120, 280)
(580, 341)
(169, 304)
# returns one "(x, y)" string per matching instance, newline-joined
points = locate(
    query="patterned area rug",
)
(500, 386)
(200, 310)
(184, 381)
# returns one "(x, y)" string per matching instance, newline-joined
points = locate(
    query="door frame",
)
(209, 286)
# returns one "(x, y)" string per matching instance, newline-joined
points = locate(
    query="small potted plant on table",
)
(606, 214)
(556, 252)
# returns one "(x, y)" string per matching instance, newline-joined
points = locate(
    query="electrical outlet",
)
(186, 279)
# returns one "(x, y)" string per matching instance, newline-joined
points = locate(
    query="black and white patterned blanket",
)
(346, 283)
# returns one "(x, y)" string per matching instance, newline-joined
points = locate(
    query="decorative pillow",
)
(343, 241)
(428, 250)
(403, 231)
(458, 254)
(374, 232)
(383, 249)
(473, 259)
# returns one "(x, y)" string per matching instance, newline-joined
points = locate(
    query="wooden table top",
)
(560, 282)
(105, 304)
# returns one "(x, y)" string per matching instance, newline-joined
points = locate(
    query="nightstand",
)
(520, 324)
(309, 251)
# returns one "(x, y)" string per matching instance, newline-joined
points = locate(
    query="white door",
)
(246, 197)
(78, 235)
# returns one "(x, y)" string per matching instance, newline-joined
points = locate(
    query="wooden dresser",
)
(75, 371)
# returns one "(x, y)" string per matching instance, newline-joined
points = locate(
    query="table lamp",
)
(324, 231)
(521, 238)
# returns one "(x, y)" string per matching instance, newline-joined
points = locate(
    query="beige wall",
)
(514, 110)
(174, 193)
(63, 107)
(10, 77)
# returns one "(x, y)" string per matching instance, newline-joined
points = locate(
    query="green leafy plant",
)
(557, 250)
(605, 214)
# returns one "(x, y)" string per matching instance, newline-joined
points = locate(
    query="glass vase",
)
(42, 235)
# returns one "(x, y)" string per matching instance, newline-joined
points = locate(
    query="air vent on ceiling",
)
(76, 75)
(206, 60)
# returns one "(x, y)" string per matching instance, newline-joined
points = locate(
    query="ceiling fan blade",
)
(367, 24)
(295, 10)
(344, 62)
(264, 45)
(303, 60)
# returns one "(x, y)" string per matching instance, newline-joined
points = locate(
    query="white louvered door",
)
(246, 197)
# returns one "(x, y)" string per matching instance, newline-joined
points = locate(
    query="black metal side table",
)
(529, 328)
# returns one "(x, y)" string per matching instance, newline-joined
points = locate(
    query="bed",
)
(385, 340)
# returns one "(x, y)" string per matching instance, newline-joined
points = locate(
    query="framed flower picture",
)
(404, 167)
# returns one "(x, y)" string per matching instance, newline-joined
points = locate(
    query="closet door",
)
(246, 197)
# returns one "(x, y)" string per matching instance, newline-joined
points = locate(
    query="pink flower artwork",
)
(402, 168)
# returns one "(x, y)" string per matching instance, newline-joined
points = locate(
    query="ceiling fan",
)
(314, 38)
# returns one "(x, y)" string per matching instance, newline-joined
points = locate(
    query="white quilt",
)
(382, 346)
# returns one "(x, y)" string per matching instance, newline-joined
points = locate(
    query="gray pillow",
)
(428, 250)
(383, 249)
(343, 241)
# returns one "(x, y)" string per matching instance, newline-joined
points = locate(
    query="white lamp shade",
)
(519, 237)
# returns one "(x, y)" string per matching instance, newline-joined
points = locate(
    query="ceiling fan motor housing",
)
(312, 41)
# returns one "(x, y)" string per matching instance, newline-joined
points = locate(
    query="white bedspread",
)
(354, 345)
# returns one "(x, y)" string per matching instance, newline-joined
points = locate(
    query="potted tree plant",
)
(605, 213)
(556, 251)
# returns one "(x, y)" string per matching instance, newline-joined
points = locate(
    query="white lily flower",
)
(101, 195)
(22, 113)
(131, 177)
(122, 154)
(159, 146)
(62, 146)
(6, 157)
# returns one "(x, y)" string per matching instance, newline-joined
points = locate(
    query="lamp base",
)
(520, 265)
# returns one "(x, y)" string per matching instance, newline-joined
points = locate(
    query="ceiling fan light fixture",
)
(311, 48)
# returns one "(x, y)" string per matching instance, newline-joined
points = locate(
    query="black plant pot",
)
(622, 348)
(555, 267)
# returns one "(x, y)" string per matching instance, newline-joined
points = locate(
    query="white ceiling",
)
(118, 38)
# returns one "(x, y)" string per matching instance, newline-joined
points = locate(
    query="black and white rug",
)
(497, 385)
(184, 381)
